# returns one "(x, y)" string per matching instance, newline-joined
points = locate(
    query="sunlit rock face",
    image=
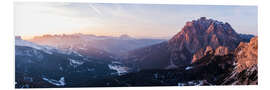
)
(246, 69)
(208, 50)
(247, 54)
(199, 34)
(195, 40)
(201, 53)
(221, 51)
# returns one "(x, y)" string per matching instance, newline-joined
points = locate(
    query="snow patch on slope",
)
(119, 69)
(20, 42)
(193, 83)
(75, 63)
(188, 68)
(46, 49)
(60, 82)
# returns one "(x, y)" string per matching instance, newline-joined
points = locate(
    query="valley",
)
(203, 52)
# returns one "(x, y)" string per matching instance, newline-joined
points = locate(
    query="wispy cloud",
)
(95, 9)
(140, 20)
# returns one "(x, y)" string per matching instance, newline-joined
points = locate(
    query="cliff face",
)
(246, 70)
(245, 58)
(196, 39)
(204, 32)
(199, 34)
(220, 51)
(247, 54)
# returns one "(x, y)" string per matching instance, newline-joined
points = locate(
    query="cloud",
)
(95, 9)
(46, 18)
(155, 20)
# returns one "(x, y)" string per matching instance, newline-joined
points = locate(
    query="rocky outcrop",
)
(208, 50)
(199, 34)
(246, 69)
(247, 54)
(201, 53)
(216, 67)
(198, 55)
(196, 39)
(221, 51)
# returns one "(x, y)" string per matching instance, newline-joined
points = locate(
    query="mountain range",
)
(45, 66)
(236, 67)
(204, 52)
(188, 45)
(100, 47)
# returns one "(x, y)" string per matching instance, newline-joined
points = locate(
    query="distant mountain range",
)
(100, 47)
(204, 52)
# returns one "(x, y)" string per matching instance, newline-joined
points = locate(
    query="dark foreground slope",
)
(45, 67)
(211, 70)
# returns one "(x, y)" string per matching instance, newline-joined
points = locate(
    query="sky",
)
(137, 20)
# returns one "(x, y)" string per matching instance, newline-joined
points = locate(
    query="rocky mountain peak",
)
(203, 32)
(196, 39)
(198, 34)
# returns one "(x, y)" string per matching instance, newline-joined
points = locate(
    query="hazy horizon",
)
(137, 20)
(32, 37)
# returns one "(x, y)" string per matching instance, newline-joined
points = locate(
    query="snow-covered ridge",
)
(46, 49)
(20, 42)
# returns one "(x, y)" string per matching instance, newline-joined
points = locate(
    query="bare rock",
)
(197, 35)
(247, 54)
(201, 53)
(221, 51)
(208, 50)
(198, 55)
(246, 69)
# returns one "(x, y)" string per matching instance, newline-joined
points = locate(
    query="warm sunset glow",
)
(138, 20)
(81, 45)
